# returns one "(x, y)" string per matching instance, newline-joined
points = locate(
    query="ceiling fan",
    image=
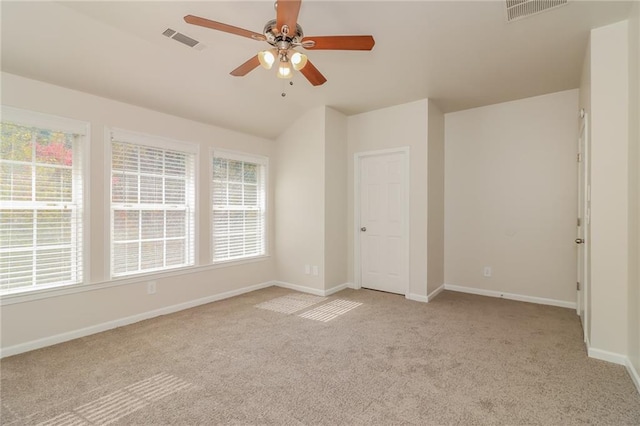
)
(284, 34)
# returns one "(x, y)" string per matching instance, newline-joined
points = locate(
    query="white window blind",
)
(152, 207)
(41, 201)
(239, 201)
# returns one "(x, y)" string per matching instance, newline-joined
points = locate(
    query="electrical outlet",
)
(151, 287)
(315, 270)
(307, 269)
(486, 271)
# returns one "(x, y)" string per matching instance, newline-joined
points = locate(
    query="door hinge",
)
(578, 286)
(579, 157)
(579, 222)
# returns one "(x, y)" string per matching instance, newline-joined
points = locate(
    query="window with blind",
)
(41, 201)
(239, 206)
(152, 204)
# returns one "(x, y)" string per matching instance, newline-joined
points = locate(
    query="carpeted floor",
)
(357, 357)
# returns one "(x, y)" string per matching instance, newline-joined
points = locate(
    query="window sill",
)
(61, 290)
(241, 261)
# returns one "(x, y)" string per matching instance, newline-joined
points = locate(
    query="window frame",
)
(263, 162)
(82, 130)
(135, 138)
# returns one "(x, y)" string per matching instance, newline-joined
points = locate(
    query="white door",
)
(383, 218)
(583, 224)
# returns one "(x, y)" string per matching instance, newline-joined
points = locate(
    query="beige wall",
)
(435, 192)
(300, 200)
(634, 184)
(609, 189)
(398, 126)
(511, 185)
(311, 201)
(40, 319)
(335, 238)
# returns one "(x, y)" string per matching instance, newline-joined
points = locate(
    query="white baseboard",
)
(427, 298)
(616, 359)
(633, 373)
(417, 297)
(607, 356)
(75, 334)
(434, 293)
(300, 288)
(311, 290)
(336, 289)
(510, 296)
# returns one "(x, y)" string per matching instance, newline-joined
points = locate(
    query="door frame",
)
(584, 213)
(357, 158)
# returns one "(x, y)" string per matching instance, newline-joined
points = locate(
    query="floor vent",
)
(518, 9)
(184, 39)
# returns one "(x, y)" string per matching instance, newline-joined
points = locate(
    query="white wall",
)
(397, 126)
(300, 200)
(335, 193)
(435, 193)
(66, 314)
(609, 189)
(510, 185)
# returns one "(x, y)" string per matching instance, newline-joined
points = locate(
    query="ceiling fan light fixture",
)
(298, 60)
(266, 58)
(283, 34)
(284, 70)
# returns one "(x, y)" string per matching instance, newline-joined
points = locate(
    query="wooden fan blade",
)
(207, 23)
(247, 67)
(287, 14)
(312, 74)
(348, 42)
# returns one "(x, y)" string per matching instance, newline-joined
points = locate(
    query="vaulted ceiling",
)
(462, 54)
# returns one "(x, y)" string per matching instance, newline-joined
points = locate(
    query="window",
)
(41, 201)
(239, 201)
(152, 204)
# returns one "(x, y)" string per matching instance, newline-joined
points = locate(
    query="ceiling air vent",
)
(518, 9)
(184, 39)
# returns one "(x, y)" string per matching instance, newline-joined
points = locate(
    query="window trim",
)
(263, 160)
(50, 121)
(128, 136)
(83, 130)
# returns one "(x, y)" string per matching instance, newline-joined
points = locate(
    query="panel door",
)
(382, 241)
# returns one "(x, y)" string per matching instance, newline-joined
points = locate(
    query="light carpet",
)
(357, 357)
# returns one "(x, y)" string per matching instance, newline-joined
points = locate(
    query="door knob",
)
(363, 229)
(579, 241)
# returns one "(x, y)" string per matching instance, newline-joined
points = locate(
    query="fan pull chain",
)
(284, 91)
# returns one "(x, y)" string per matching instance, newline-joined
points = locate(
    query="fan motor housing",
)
(276, 38)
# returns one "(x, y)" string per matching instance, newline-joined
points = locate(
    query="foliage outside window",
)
(152, 207)
(41, 205)
(239, 201)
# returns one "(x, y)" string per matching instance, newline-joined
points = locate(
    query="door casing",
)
(584, 215)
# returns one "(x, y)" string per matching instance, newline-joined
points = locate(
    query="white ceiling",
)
(460, 54)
